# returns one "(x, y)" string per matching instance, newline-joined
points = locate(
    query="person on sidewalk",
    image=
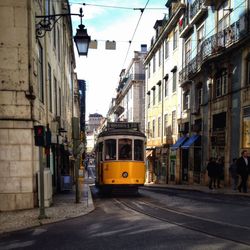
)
(219, 171)
(211, 170)
(243, 169)
(234, 174)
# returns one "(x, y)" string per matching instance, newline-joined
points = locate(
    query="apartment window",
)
(174, 78)
(223, 16)
(159, 127)
(186, 97)
(159, 53)
(60, 101)
(58, 44)
(148, 96)
(200, 36)
(55, 99)
(166, 49)
(165, 124)
(153, 95)
(174, 122)
(149, 69)
(175, 37)
(153, 129)
(154, 63)
(187, 53)
(40, 72)
(199, 96)
(50, 87)
(248, 70)
(221, 84)
(54, 31)
(166, 86)
(159, 91)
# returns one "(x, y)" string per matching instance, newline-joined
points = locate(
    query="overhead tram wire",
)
(112, 6)
(130, 42)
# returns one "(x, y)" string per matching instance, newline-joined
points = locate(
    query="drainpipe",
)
(30, 95)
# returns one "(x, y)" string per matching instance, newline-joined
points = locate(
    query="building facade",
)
(215, 83)
(197, 87)
(37, 83)
(163, 96)
(129, 104)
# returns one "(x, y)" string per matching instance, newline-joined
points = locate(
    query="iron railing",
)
(216, 44)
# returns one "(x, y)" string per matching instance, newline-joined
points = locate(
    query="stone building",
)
(215, 82)
(208, 115)
(129, 104)
(163, 95)
(37, 82)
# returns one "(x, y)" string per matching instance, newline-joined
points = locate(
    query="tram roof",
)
(112, 132)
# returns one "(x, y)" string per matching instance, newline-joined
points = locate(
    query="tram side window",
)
(138, 148)
(125, 149)
(110, 149)
(100, 147)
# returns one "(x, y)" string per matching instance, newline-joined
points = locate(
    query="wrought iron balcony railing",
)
(195, 8)
(215, 45)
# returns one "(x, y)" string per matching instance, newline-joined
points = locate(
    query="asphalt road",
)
(163, 219)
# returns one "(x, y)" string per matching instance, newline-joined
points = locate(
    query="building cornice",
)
(166, 30)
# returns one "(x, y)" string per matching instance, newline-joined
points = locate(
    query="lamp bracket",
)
(47, 23)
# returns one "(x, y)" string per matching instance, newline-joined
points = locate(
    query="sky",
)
(101, 68)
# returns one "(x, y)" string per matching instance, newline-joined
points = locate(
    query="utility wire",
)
(130, 42)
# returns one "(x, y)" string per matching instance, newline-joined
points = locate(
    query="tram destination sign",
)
(123, 125)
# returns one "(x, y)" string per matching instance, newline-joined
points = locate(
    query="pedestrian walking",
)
(211, 169)
(234, 174)
(243, 169)
(219, 171)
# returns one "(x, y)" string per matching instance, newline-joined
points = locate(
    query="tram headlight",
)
(125, 174)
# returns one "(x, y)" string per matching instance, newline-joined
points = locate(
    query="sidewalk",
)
(200, 188)
(63, 207)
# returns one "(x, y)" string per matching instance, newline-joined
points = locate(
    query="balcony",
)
(197, 11)
(216, 45)
(185, 26)
(211, 2)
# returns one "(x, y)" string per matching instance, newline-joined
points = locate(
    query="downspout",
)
(30, 95)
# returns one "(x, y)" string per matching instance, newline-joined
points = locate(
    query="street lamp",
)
(81, 39)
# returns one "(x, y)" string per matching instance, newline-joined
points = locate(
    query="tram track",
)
(219, 229)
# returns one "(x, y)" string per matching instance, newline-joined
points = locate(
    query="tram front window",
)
(110, 149)
(138, 148)
(125, 149)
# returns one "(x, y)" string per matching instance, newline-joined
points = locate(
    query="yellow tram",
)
(120, 159)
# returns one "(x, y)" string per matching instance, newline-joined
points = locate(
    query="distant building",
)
(94, 122)
(129, 104)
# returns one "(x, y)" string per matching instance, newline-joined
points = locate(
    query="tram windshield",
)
(125, 149)
(110, 149)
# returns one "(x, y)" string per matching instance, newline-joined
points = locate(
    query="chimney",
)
(143, 47)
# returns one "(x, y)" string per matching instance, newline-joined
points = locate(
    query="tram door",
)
(184, 164)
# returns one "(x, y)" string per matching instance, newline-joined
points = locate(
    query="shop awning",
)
(190, 141)
(179, 142)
